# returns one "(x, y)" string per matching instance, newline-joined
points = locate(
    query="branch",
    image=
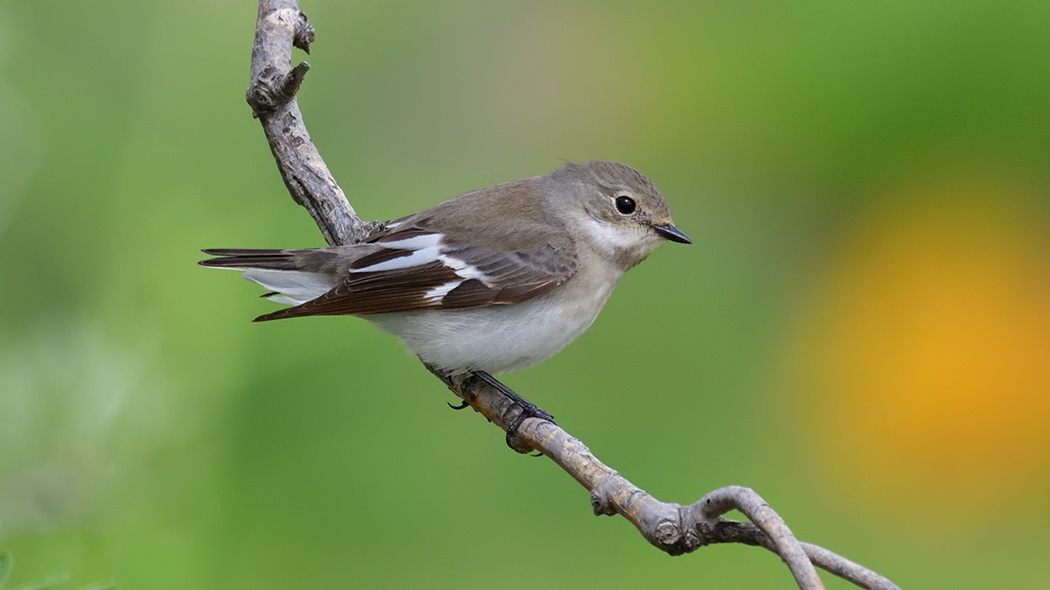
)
(272, 97)
(672, 528)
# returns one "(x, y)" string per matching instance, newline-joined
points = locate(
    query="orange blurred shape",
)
(925, 361)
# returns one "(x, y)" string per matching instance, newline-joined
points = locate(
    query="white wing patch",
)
(438, 293)
(417, 258)
(415, 243)
(467, 271)
(426, 248)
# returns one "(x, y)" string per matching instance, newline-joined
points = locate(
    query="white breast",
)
(501, 338)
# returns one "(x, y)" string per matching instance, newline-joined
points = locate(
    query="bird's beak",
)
(672, 233)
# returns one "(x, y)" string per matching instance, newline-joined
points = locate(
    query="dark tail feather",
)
(295, 275)
(319, 260)
(280, 314)
(247, 258)
(241, 251)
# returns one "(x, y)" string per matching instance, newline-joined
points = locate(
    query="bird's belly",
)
(497, 339)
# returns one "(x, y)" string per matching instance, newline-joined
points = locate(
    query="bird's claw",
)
(528, 410)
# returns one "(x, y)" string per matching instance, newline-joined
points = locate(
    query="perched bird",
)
(492, 281)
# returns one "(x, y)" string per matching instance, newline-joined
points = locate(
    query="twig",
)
(670, 527)
(272, 97)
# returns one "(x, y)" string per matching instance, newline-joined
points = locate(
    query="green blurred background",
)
(861, 331)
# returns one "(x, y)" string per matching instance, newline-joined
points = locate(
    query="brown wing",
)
(450, 276)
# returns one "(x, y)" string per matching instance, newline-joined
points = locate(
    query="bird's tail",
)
(292, 276)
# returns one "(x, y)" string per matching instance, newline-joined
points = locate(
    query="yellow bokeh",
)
(924, 366)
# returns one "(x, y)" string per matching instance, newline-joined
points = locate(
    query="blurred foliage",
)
(861, 331)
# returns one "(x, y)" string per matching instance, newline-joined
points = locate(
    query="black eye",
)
(625, 205)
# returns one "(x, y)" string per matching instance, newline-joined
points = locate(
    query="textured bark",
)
(281, 26)
(672, 528)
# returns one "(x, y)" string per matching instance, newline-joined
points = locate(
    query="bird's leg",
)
(448, 381)
(528, 409)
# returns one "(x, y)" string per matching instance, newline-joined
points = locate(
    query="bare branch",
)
(672, 528)
(272, 97)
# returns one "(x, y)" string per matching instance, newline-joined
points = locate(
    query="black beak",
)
(672, 233)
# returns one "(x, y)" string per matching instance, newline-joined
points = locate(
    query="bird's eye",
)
(625, 205)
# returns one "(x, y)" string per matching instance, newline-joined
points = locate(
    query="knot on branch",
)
(668, 535)
(272, 89)
(303, 34)
(602, 500)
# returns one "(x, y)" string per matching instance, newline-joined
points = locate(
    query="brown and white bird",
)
(493, 280)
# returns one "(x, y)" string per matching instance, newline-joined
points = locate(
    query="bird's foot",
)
(528, 410)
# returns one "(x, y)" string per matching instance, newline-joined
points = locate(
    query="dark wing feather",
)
(491, 277)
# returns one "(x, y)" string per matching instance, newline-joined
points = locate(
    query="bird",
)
(488, 282)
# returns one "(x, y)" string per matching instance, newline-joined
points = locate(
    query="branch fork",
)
(672, 528)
